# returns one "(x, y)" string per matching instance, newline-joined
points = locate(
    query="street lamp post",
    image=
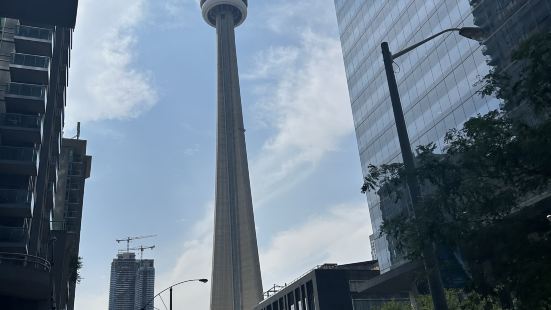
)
(429, 255)
(170, 288)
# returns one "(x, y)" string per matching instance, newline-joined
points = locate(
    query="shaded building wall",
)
(74, 169)
(34, 61)
(508, 23)
(326, 287)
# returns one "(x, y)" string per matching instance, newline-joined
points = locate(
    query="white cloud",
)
(105, 82)
(306, 100)
(339, 236)
(292, 16)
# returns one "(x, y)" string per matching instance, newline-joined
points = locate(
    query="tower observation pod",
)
(236, 280)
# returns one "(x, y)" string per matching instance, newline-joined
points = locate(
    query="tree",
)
(481, 189)
(75, 266)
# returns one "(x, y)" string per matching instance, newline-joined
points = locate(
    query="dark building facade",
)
(508, 23)
(327, 287)
(74, 169)
(34, 61)
(132, 283)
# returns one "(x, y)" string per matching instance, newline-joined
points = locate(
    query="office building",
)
(328, 287)
(437, 82)
(132, 283)
(236, 281)
(34, 58)
(508, 23)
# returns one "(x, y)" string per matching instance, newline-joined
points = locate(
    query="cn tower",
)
(236, 280)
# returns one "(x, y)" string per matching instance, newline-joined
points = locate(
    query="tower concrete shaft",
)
(236, 280)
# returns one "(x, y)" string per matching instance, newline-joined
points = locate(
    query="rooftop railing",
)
(30, 60)
(28, 90)
(19, 120)
(17, 153)
(33, 32)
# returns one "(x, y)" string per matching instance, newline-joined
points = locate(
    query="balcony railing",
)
(13, 234)
(33, 32)
(17, 153)
(68, 225)
(28, 90)
(15, 196)
(25, 260)
(30, 60)
(19, 120)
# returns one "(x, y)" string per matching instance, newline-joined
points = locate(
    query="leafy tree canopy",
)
(479, 193)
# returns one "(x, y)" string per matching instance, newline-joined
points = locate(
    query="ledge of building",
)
(52, 12)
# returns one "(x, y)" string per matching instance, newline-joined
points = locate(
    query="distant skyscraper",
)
(145, 284)
(132, 283)
(236, 280)
(436, 82)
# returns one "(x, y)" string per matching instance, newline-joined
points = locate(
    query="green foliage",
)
(490, 168)
(458, 301)
(75, 266)
(395, 305)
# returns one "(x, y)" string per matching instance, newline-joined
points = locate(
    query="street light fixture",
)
(429, 256)
(549, 218)
(170, 288)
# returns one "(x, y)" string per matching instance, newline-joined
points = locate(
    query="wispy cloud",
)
(106, 82)
(331, 237)
(306, 100)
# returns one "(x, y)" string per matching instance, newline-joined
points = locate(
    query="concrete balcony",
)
(15, 203)
(24, 276)
(18, 160)
(25, 98)
(20, 127)
(33, 40)
(34, 69)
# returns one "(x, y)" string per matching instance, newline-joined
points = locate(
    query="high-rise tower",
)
(236, 280)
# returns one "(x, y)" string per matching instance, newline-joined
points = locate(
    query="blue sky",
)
(142, 82)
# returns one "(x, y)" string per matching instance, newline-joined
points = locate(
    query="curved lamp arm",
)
(173, 285)
(474, 33)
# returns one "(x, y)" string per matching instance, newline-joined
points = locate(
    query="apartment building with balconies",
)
(34, 61)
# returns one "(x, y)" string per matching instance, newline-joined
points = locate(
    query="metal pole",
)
(429, 256)
(171, 298)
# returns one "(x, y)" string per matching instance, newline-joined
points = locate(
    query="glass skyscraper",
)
(132, 283)
(436, 82)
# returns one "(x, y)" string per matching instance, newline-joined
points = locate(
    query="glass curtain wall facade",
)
(132, 282)
(436, 82)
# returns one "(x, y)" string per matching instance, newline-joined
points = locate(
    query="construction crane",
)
(128, 239)
(141, 248)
